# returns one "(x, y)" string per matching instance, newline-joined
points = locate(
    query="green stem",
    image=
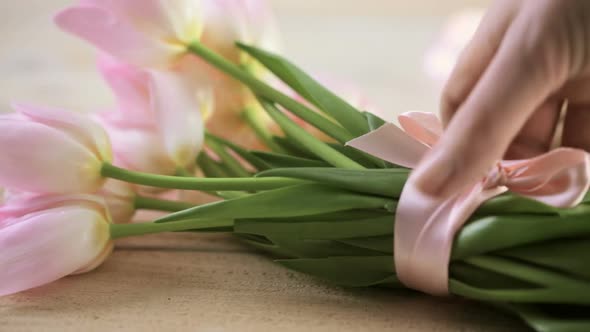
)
(265, 90)
(254, 161)
(308, 141)
(233, 166)
(125, 230)
(210, 167)
(148, 203)
(526, 272)
(260, 130)
(203, 184)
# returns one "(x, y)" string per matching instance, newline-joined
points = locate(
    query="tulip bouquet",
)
(300, 173)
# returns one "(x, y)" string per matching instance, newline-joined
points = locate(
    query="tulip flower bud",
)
(45, 238)
(158, 125)
(51, 151)
(248, 21)
(151, 33)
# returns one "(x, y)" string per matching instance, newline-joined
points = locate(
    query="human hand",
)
(504, 97)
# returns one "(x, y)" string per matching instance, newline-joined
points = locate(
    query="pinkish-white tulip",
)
(248, 21)
(151, 33)
(45, 238)
(158, 124)
(51, 151)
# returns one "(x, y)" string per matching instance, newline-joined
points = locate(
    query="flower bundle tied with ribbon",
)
(426, 226)
(339, 208)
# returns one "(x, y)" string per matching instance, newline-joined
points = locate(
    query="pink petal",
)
(130, 86)
(26, 203)
(42, 159)
(47, 246)
(141, 150)
(114, 34)
(177, 106)
(79, 126)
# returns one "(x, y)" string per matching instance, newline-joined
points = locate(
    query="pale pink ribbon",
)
(425, 226)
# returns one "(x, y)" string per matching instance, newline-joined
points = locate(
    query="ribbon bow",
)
(425, 226)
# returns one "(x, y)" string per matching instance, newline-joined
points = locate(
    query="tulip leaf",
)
(317, 230)
(348, 116)
(276, 160)
(495, 233)
(567, 255)
(383, 182)
(313, 145)
(298, 200)
(248, 156)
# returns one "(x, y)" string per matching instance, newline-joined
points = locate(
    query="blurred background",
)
(380, 45)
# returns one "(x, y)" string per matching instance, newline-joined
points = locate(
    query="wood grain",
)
(204, 282)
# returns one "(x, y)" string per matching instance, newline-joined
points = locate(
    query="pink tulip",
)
(248, 21)
(119, 198)
(51, 151)
(158, 125)
(45, 238)
(142, 32)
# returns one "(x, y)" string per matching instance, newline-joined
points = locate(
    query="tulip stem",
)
(260, 88)
(202, 184)
(233, 166)
(248, 114)
(126, 230)
(148, 203)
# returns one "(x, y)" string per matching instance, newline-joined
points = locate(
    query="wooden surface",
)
(191, 282)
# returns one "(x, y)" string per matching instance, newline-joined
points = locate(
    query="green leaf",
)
(276, 160)
(317, 230)
(255, 162)
(349, 117)
(374, 121)
(360, 157)
(567, 255)
(380, 243)
(497, 233)
(210, 167)
(262, 89)
(383, 182)
(299, 200)
(511, 204)
(293, 148)
(312, 144)
(251, 117)
(233, 166)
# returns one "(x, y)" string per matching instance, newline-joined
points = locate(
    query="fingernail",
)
(434, 174)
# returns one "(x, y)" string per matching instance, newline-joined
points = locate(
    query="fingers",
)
(516, 83)
(477, 56)
(537, 135)
(576, 133)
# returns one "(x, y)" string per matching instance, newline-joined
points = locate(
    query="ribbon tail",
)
(391, 144)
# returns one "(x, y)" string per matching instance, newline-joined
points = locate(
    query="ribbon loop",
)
(425, 226)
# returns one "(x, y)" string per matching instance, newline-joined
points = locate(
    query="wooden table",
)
(193, 282)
